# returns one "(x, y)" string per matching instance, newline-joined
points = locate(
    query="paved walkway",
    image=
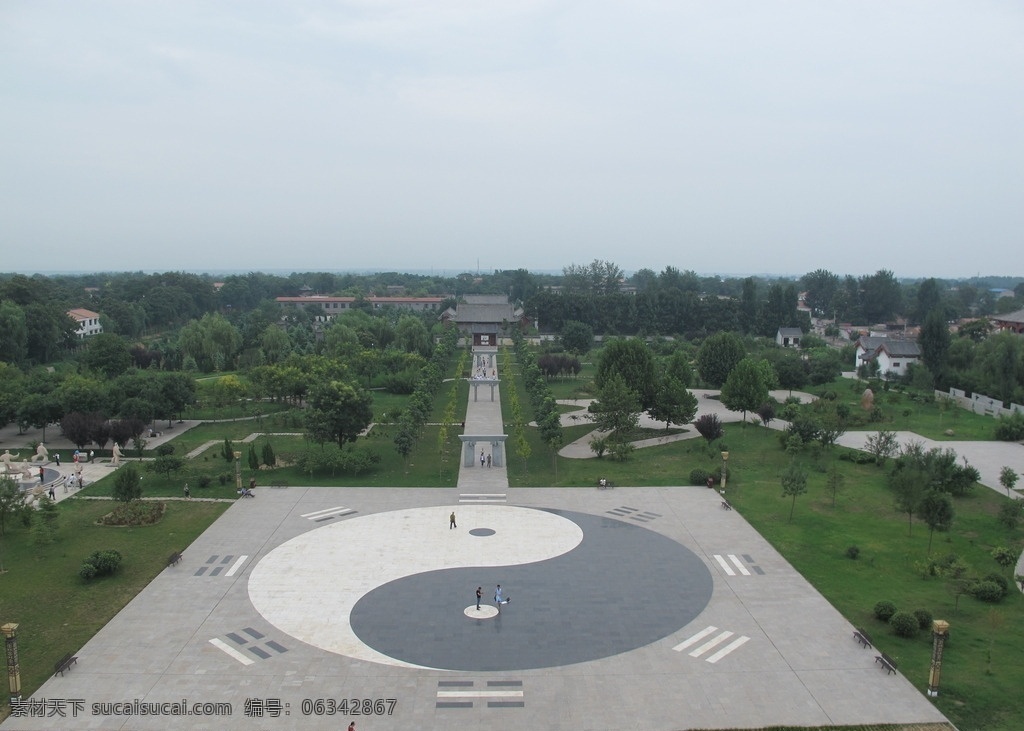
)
(483, 416)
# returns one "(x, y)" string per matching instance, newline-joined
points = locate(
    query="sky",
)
(722, 137)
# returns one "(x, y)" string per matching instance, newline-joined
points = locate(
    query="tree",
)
(909, 486)
(717, 356)
(821, 286)
(880, 296)
(937, 513)
(633, 362)
(1007, 478)
(577, 337)
(709, 426)
(835, 481)
(127, 484)
(338, 412)
(673, 403)
(11, 500)
(617, 409)
(746, 387)
(794, 482)
(107, 354)
(881, 445)
(934, 341)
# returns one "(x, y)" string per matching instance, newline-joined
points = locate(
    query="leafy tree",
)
(673, 403)
(821, 286)
(746, 387)
(1008, 478)
(709, 426)
(766, 412)
(127, 484)
(881, 445)
(937, 512)
(11, 500)
(275, 343)
(880, 296)
(165, 464)
(254, 460)
(934, 341)
(794, 483)
(617, 408)
(577, 337)
(717, 356)
(13, 333)
(1004, 556)
(633, 362)
(909, 485)
(107, 354)
(338, 412)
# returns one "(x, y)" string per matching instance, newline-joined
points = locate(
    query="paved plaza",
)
(645, 608)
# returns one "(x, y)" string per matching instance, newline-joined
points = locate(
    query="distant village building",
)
(484, 318)
(330, 307)
(893, 356)
(789, 337)
(1011, 322)
(88, 322)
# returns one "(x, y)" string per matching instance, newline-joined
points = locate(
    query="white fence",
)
(979, 403)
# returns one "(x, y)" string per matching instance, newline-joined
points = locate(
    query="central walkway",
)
(483, 417)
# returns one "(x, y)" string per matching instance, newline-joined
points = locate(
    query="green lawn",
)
(58, 612)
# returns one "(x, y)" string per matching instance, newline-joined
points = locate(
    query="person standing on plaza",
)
(488, 461)
(451, 521)
(479, 595)
(56, 458)
(41, 477)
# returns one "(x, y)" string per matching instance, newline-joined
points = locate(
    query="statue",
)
(6, 458)
(115, 457)
(41, 455)
(867, 399)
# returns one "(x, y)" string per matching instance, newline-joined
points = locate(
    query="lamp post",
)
(940, 631)
(725, 459)
(238, 470)
(13, 666)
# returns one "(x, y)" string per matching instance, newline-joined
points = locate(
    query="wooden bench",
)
(887, 662)
(862, 637)
(174, 558)
(64, 663)
(726, 505)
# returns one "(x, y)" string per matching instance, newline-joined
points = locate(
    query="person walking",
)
(56, 458)
(188, 493)
(479, 596)
(481, 458)
(451, 521)
(488, 461)
(51, 493)
(41, 477)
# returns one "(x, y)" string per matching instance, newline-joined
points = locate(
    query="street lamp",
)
(238, 470)
(13, 666)
(725, 459)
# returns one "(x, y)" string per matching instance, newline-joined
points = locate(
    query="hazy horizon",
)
(456, 136)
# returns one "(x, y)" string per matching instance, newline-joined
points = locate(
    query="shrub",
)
(1000, 580)
(204, 481)
(924, 618)
(1010, 428)
(100, 563)
(987, 591)
(165, 450)
(699, 477)
(853, 552)
(127, 484)
(222, 478)
(884, 611)
(904, 624)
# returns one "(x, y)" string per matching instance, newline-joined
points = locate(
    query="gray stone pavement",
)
(254, 616)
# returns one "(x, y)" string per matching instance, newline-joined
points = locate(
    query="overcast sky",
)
(723, 137)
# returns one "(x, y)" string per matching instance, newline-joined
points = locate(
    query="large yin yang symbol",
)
(396, 587)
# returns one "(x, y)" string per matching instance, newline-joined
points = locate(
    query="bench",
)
(64, 663)
(862, 637)
(726, 505)
(887, 662)
(174, 558)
